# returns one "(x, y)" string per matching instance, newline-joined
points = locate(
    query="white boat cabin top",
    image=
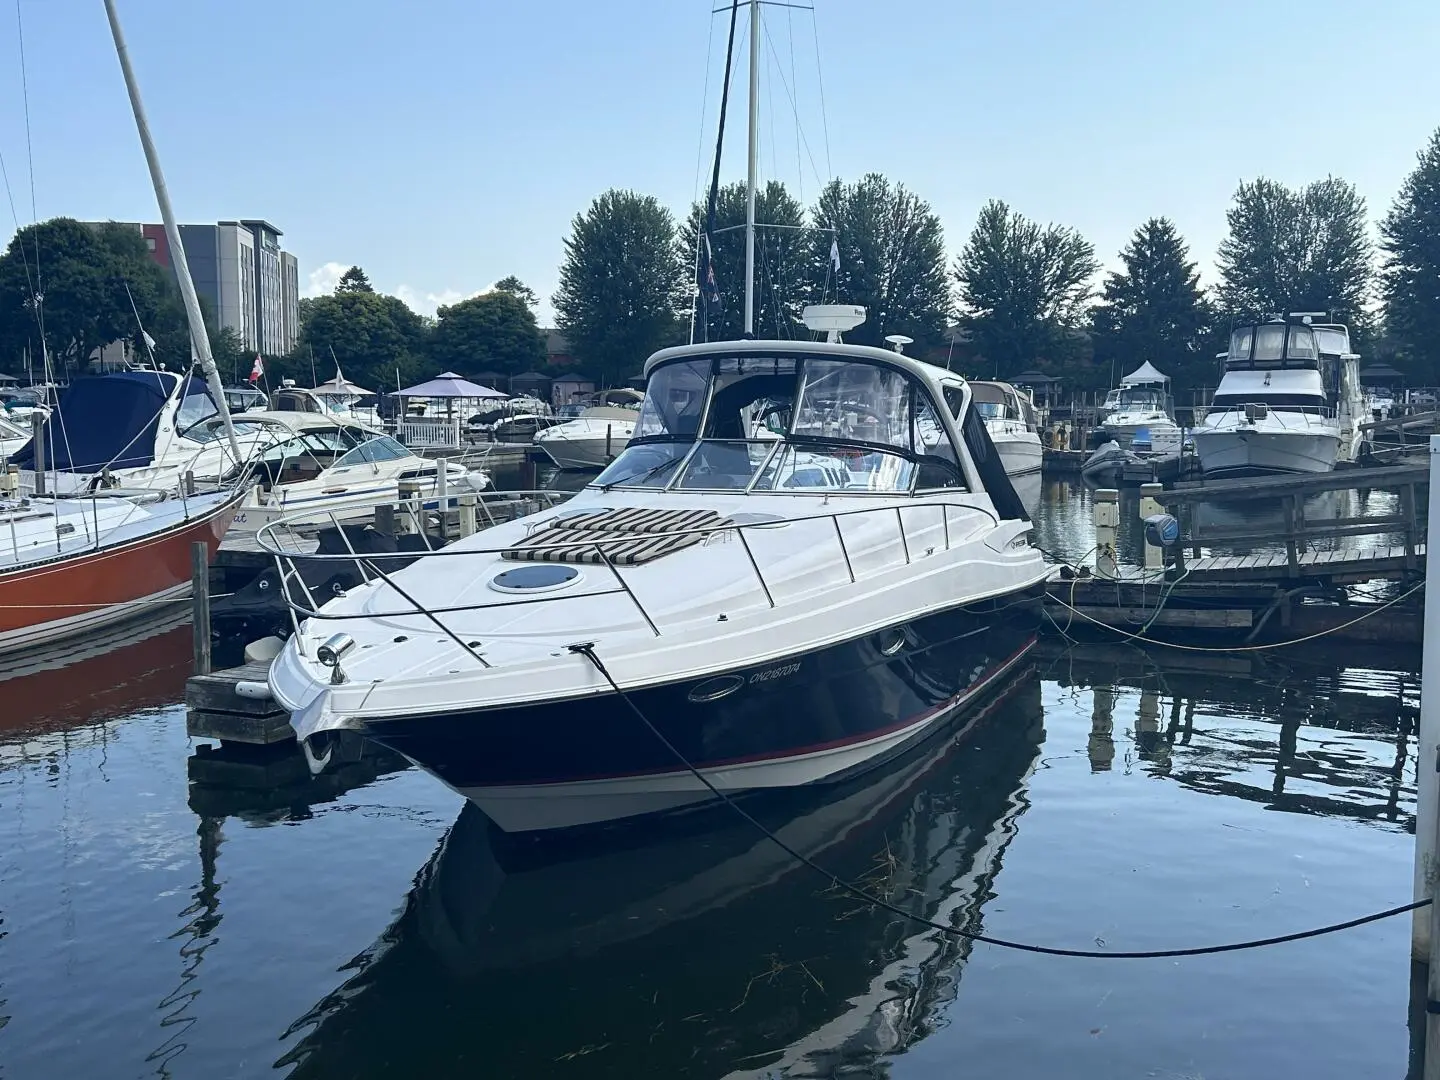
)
(1280, 344)
(805, 417)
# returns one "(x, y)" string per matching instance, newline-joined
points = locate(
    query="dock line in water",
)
(587, 650)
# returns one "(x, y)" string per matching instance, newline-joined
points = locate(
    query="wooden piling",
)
(468, 518)
(1107, 519)
(200, 604)
(37, 434)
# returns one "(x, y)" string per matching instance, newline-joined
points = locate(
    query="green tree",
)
(515, 287)
(892, 259)
(1410, 237)
(622, 286)
(1154, 309)
(494, 331)
(92, 285)
(1024, 289)
(781, 262)
(354, 280)
(1295, 250)
(371, 334)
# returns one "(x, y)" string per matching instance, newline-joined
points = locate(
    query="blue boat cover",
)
(105, 420)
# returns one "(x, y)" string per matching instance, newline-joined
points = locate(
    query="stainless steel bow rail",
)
(272, 539)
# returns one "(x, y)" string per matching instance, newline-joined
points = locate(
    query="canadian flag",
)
(258, 369)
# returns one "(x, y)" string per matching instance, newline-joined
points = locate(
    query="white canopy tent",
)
(1146, 374)
(341, 387)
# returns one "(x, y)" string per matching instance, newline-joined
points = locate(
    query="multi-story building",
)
(239, 267)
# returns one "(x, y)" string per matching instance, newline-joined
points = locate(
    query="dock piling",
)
(468, 518)
(1107, 519)
(1427, 786)
(200, 604)
(37, 434)
(1149, 507)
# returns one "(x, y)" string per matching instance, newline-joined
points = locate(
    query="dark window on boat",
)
(1275, 401)
(955, 398)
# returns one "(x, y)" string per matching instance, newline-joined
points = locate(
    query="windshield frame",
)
(920, 397)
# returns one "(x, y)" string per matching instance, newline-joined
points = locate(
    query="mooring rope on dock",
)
(860, 893)
(1220, 648)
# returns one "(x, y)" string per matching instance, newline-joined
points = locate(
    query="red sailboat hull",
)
(70, 596)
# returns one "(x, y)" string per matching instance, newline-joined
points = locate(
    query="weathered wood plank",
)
(215, 692)
(1133, 618)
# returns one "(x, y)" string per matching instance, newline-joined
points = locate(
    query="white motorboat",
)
(596, 437)
(1010, 419)
(767, 602)
(1142, 406)
(137, 430)
(1289, 401)
(328, 468)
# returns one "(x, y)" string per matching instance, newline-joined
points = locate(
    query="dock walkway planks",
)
(1352, 563)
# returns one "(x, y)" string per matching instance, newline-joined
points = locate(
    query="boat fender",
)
(256, 691)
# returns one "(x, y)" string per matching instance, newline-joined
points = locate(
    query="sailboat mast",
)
(751, 156)
(198, 335)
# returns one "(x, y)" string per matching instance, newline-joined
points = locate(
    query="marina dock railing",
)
(1297, 533)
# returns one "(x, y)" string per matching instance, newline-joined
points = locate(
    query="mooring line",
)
(587, 650)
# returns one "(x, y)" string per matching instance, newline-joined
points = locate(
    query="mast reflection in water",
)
(694, 947)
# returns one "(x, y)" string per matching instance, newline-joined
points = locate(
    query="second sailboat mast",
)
(750, 167)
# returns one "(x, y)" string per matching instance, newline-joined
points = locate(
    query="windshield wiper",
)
(641, 476)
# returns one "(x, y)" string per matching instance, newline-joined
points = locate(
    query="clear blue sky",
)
(445, 144)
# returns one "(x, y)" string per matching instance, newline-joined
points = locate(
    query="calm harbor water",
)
(168, 911)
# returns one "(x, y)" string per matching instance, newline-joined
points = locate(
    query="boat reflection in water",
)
(691, 945)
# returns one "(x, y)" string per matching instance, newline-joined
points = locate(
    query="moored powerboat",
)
(334, 471)
(1289, 401)
(1142, 406)
(594, 438)
(768, 603)
(1010, 419)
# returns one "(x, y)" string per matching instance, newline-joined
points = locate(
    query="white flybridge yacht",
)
(1289, 400)
(1141, 403)
(1010, 419)
(807, 557)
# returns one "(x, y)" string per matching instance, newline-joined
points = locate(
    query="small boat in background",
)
(12, 438)
(1010, 420)
(594, 438)
(1142, 406)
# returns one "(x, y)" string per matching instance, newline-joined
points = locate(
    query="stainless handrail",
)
(268, 540)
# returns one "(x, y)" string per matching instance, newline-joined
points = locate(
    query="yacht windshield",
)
(766, 423)
(1140, 398)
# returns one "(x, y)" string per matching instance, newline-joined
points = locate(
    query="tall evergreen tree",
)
(623, 288)
(1023, 290)
(1296, 250)
(781, 253)
(354, 280)
(891, 253)
(1410, 237)
(1154, 309)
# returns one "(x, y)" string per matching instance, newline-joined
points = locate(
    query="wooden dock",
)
(215, 709)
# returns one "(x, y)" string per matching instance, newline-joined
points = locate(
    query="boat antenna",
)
(751, 160)
(899, 341)
(198, 337)
(144, 334)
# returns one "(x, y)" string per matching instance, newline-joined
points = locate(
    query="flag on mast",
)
(835, 253)
(258, 369)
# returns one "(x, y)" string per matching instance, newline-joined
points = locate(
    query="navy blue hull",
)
(853, 692)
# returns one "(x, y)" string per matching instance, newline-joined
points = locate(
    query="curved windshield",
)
(1141, 399)
(773, 423)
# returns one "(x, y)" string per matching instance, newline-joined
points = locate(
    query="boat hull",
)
(1247, 452)
(792, 721)
(589, 453)
(78, 593)
(1019, 454)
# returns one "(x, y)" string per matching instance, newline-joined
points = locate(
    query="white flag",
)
(835, 253)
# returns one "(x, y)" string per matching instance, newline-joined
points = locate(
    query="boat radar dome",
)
(832, 319)
(899, 341)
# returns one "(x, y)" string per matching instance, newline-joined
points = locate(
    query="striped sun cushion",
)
(627, 536)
